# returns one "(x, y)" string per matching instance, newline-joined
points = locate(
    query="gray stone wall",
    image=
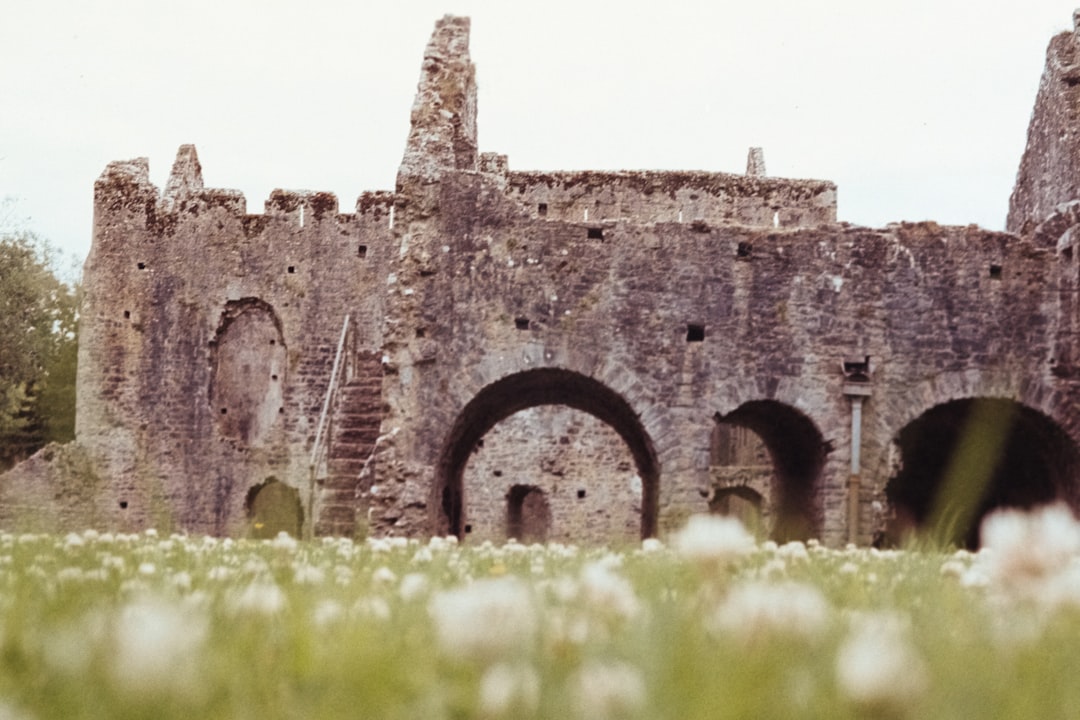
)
(186, 402)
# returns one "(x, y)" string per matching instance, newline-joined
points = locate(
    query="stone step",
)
(358, 419)
(345, 466)
(338, 513)
(345, 495)
(356, 435)
(352, 451)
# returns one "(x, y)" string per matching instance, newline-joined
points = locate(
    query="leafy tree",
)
(38, 345)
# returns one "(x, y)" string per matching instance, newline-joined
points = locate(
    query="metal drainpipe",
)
(856, 392)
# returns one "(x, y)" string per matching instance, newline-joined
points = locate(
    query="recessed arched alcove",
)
(248, 365)
(796, 449)
(273, 507)
(528, 389)
(962, 459)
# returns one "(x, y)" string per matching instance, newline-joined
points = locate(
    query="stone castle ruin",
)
(578, 356)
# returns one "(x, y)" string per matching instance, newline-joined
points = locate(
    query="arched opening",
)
(962, 459)
(248, 363)
(273, 507)
(772, 452)
(530, 389)
(743, 503)
(582, 467)
(528, 515)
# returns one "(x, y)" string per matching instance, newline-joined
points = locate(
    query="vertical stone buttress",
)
(1049, 171)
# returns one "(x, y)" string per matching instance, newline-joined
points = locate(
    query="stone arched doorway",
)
(962, 459)
(273, 507)
(745, 442)
(530, 389)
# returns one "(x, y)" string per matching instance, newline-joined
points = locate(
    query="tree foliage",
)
(38, 347)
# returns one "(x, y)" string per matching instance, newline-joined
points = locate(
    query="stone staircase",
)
(354, 428)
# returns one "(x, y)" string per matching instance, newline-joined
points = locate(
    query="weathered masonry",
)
(580, 356)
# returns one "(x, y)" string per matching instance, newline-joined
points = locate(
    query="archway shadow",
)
(797, 450)
(542, 386)
(963, 459)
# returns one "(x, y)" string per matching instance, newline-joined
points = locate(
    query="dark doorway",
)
(965, 458)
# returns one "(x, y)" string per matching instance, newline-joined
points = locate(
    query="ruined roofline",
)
(668, 180)
(125, 180)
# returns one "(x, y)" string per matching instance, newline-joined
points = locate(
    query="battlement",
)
(125, 186)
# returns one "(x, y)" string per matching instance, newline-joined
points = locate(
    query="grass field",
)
(708, 625)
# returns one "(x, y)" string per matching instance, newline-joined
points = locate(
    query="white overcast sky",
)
(916, 109)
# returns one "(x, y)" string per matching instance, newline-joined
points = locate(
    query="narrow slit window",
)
(744, 250)
(580, 494)
(292, 269)
(521, 323)
(541, 209)
(695, 333)
(141, 266)
(362, 251)
(995, 272)
(596, 233)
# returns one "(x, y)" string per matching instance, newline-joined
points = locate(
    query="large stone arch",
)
(797, 450)
(961, 459)
(530, 388)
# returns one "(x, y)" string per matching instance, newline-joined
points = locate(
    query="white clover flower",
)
(755, 609)
(378, 545)
(182, 581)
(793, 551)
(506, 689)
(383, 576)
(219, 572)
(74, 540)
(607, 591)
(375, 608)
(327, 612)
(343, 574)
(150, 533)
(284, 542)
(261, 598)
(157, 646)
(776, 567)
(1023, 549)
(422, 556)
(877, 664)
(147, 568)
(308, 574)
(413, 586)
(486, 620)
(651, 545)
(608, 690)
(713, 540)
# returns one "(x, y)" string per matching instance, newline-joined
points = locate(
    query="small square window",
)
(695, 333)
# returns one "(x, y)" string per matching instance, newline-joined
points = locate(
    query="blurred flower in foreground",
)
(713, 540)
(755, 609)
(608, 690)
(157, 646)
(506, 689)
(1023, 549)
(486, 620)
(878, 666)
